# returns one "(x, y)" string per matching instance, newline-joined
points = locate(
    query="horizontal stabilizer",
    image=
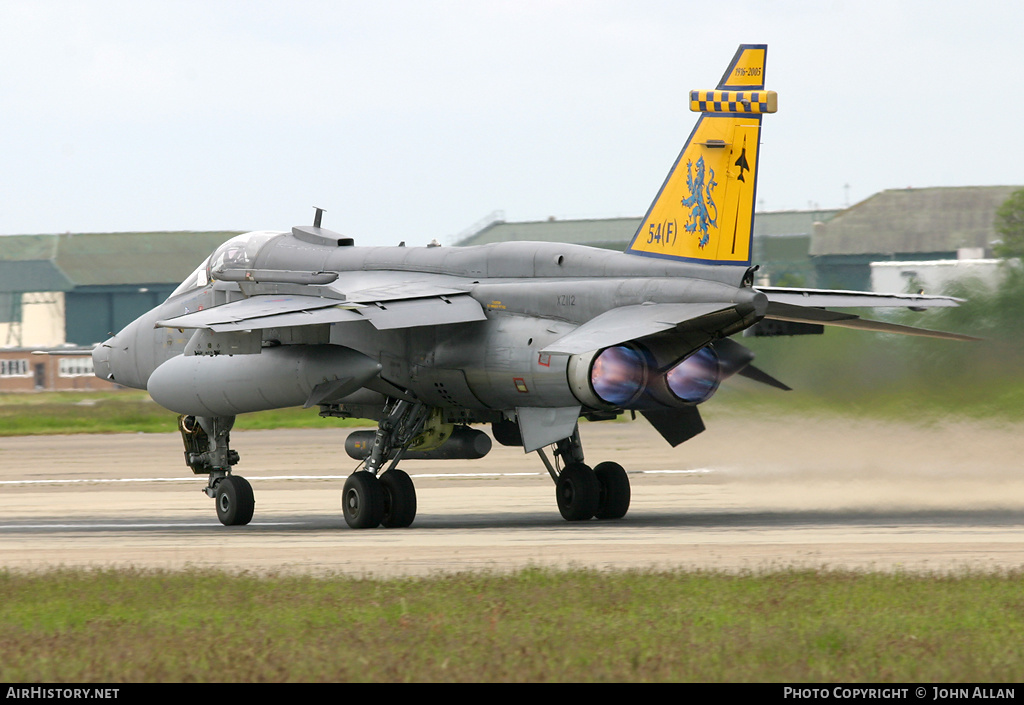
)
(854, 299)
(802, 314)
(758, 375)
(629, 323)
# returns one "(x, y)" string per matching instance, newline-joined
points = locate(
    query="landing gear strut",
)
(386, 497)
(206, 451)
(581, 492)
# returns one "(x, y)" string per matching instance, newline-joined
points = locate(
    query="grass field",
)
(125, 411)
(535, 625)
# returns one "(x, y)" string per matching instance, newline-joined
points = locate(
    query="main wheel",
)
(362, 500)
(399, 499)
(614, 499)
(577, 492)
(235, 501)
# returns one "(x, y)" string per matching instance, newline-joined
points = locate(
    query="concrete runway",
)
(749, 494)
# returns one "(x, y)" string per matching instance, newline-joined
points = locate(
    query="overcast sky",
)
(411, 120)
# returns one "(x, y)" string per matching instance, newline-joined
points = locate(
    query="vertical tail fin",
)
(705, 209)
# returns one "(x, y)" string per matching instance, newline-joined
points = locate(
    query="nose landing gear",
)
(206, 451)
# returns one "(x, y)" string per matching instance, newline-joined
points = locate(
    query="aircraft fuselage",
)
(528, 295)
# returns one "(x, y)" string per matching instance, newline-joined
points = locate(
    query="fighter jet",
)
(526, 337)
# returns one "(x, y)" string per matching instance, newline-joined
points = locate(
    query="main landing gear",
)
(374, 497)
(206, 451)
(581, 492)
(369, 501)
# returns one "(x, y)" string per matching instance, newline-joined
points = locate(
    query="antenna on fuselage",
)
(318, 217)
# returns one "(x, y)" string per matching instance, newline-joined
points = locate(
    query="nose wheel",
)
(235, 501)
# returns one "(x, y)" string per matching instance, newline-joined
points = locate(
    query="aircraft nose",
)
(101, 359)
(115, 359)
(129, 357)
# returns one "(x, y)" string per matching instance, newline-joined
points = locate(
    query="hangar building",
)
(936, 224)
(73, 290)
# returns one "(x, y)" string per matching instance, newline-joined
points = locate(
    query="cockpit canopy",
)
(237, 253)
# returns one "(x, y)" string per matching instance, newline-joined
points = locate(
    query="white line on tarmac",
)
(88, 525)
(260, 478)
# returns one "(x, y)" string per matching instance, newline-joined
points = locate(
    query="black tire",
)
(577, 492)
(235, 501)
(399, 499)
(615, 494)
(362, 500)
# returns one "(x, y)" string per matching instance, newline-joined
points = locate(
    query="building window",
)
(75, 367)
(14, 368)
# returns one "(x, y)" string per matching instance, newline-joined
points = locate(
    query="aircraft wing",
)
(625, 323)
(275, 311)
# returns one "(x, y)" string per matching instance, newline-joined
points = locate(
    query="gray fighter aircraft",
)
(526, 337)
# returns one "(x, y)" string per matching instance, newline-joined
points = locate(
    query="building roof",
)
(914, 220)
(609, 232)
(63, 262)
(617, 232)
(783, 223)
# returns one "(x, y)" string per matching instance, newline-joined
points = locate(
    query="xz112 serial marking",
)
(566, 299)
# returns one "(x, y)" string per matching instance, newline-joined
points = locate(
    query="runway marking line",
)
(164, 525)
(260, 478)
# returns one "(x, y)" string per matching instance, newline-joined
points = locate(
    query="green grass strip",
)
(131, 411)
(533, 625)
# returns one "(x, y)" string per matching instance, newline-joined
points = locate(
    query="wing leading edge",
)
(273, 311)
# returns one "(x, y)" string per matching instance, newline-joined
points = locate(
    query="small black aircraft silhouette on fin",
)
(742, 162)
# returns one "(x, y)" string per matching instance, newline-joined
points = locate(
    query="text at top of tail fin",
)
(704, 211)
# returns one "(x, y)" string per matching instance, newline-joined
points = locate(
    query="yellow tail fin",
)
(705, 209)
